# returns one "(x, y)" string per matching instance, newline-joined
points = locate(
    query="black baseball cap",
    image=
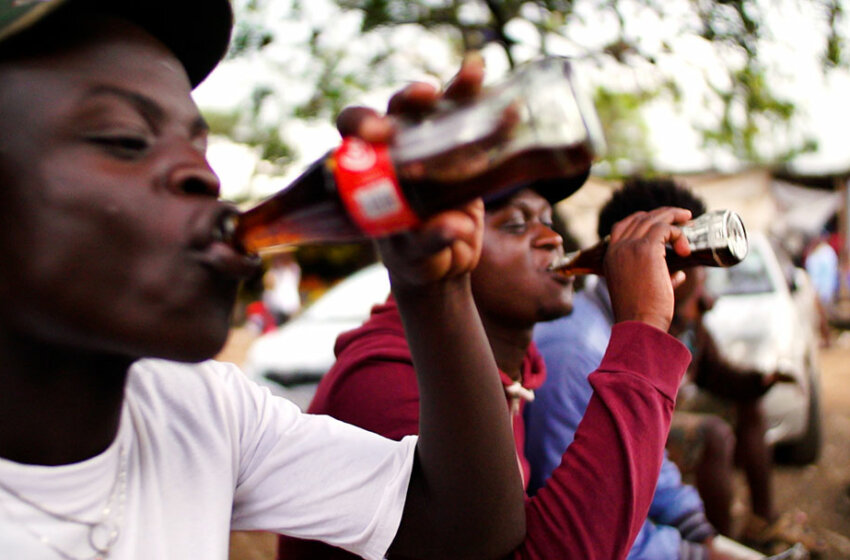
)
(553, 190)
(196, 31)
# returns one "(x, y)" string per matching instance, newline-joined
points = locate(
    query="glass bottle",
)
(716, 238)
(538, 123)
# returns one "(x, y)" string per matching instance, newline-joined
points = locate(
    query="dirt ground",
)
(821, 490)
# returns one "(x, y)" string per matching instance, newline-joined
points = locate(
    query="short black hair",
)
(643, 194)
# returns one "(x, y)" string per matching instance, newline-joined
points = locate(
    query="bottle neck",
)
(306, 211)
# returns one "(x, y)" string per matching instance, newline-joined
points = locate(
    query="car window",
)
(352, 298)
(750, 276)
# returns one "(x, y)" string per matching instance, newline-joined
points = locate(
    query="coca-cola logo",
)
(356, 155)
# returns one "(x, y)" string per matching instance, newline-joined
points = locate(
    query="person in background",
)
(714, 389)
(597, 499)
(821, 263)
(118, 438)
(281, 293)
(681, 523)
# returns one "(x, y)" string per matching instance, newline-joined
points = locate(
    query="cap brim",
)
(17, 15)
(196, 31)
(556, 190)
(553, 190)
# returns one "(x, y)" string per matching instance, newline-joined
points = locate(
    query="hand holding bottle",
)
(456, 372)
(434, 153)
(639, 281)
(449, 243)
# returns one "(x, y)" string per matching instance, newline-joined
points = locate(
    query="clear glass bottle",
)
(716, 238)
(538, 123)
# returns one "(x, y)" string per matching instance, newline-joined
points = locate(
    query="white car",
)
(292, 359)
(765, 317)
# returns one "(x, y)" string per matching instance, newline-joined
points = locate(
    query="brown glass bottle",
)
(716, 239)
(536, 125)
(307, 211)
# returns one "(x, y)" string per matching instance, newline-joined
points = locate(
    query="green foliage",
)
(741, 130)
(222, 122)
(625, 130)
(750, 110)
(834, 54)
(273, 149)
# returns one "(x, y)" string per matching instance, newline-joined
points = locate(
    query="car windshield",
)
(750, 276)
(353, 297)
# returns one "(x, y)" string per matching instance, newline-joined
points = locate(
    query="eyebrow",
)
(525, 206)
(149, 108)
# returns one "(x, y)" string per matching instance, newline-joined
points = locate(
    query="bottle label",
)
(367, 184)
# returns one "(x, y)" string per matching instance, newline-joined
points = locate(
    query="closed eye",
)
(514, 227)
(123, 147)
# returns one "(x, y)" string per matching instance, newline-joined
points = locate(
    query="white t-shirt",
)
(206, 451)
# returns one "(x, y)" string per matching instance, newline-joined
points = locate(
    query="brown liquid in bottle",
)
(307, 211)
(583, 262)
(592, 259)
(429, 196)
(719, 257)
(536, 124)
(310, 211)
(727, 247)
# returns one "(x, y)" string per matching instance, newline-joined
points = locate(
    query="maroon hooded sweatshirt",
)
(596, 501)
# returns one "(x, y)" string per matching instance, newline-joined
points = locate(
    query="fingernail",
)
(473, 56)
(374, 127)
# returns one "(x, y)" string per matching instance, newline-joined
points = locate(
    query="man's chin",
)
(205, 345)
(556, 313)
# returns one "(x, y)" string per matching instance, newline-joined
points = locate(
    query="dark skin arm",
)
(714, 373)
(465, 498)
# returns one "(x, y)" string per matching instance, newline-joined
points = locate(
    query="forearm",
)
(466, 488)
(596, 501)
(717, 375)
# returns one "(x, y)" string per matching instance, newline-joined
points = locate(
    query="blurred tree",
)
(636, 52)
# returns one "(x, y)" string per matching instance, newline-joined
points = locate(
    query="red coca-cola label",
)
(367, 184)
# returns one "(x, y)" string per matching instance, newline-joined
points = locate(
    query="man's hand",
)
(465, 496)
(778, 376)
(641, 287)
(448, 244)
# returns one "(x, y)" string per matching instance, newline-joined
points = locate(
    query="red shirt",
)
(597, 499)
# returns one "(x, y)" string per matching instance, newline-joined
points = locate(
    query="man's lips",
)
(215, 243)
(223, 258)
(560, 278)
(551, 269)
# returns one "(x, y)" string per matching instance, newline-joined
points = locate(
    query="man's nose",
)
(193, 175)
(548, 238)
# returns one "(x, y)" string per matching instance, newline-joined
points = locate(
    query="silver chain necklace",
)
(102, 534)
